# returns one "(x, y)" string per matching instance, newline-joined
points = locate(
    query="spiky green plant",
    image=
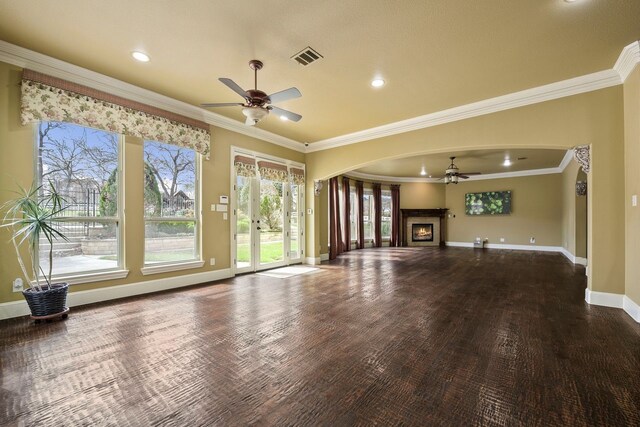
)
(29, 217)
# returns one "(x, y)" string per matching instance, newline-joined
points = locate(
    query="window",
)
(84, 166)
(367, 208)
(171, 204)
(353, 219)
(386, 214)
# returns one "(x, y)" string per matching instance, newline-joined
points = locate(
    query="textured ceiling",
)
(433, 54)
(484, 161)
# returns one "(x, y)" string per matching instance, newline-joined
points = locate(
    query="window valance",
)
(46, 98)
(297, 176)
(245, 166)
(273, 171)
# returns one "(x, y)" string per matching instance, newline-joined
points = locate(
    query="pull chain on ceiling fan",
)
(257, 103)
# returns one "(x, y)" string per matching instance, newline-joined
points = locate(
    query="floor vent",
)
(306, 56)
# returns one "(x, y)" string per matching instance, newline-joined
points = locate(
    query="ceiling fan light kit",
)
(257, 103)
(452, 174)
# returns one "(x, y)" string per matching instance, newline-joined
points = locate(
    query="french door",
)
(268, 211)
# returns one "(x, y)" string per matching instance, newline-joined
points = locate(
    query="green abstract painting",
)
(488, 203)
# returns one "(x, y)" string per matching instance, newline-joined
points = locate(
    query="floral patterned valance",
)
(245, 166)
(46, 98)
(297, 176)
(273, 171)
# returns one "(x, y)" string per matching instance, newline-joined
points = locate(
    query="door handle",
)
(258, 228)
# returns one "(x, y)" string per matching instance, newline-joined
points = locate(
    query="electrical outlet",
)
(17, 285)
(502, 240)
(532, 240)
(212, 261)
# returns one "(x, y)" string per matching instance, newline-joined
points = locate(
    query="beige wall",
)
(632, 183)
(422, 195)
(569, 206)
(574, 211)
(536, 211)
(16, 161)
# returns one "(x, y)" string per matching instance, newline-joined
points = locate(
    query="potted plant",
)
(34, 214)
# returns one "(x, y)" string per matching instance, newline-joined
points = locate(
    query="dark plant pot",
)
(50, 300)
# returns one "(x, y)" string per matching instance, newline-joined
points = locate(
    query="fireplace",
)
(413, 221)
(422, 232)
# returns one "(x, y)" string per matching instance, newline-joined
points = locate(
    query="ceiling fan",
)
(452, 173)
(258, 104)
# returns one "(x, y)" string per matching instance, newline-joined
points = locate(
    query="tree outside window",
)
(83, 164)
(170, 203)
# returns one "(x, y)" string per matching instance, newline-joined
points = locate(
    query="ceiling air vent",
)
(306, 56)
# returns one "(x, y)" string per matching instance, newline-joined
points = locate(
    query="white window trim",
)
(166, 268)
(76, 279)
(89, 276)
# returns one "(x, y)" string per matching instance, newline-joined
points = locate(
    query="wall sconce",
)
(317, 187)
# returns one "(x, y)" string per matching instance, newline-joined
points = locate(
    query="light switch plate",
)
(634, 200)
(309, 211)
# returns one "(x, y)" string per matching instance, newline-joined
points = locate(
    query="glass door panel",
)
(271, 224)
(244, 246)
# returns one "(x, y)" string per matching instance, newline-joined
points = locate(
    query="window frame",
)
(368, 193)
(385, 193)
(95, 275)
(197, 260)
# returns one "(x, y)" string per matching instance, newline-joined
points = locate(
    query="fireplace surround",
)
(419, 216)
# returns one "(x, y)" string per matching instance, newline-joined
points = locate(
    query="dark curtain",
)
(360, 201)
(377, 215)
(346, 215)
(395, 216)
(335, 235)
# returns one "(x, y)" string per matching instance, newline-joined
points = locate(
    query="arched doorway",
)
(581, 217)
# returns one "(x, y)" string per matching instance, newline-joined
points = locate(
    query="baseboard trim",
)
(74, 299)
(313, 260)
(507, 246)
(631, 308)
(324, 257)
(574, 259)
(604, 299)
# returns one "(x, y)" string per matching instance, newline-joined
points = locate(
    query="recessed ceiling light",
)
(507, 162)
(377, 82)
(423, 172)
(284, 118)
(139, 56)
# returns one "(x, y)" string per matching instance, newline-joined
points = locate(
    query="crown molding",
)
(628, 59)
(568, 156)
(392, 179)
(25, 58)
(531, 172)
(574, 86)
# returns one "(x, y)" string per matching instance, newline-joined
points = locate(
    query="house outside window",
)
(85, 166)
(171, 205)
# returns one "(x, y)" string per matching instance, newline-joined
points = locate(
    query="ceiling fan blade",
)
(234, 86)
(288, 114)
(221, 104)
(284, 95)
(463, 176)
(249, 122)
(471, 173)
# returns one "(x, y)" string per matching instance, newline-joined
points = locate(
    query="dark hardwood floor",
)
(390, 336)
